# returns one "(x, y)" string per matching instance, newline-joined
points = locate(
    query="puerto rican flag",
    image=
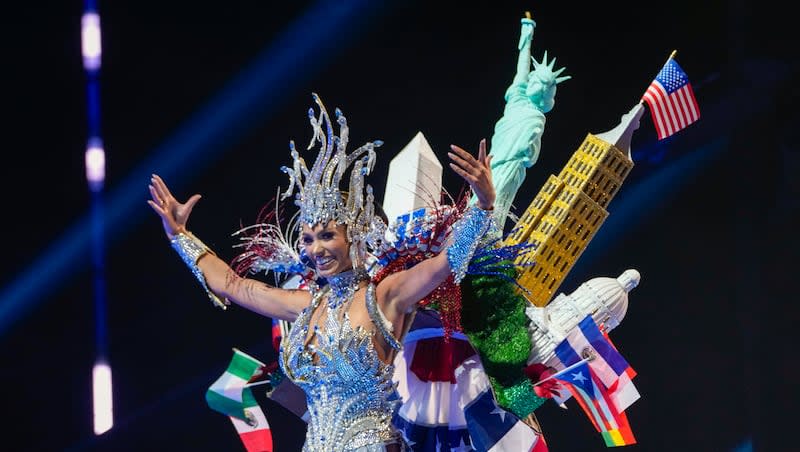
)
(610, 367)
(593, 398)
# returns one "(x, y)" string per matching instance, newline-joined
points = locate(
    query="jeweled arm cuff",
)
(467, 232)
(191, 249)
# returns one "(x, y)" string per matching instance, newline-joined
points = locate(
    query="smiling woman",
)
(346, 334)
(327, 247)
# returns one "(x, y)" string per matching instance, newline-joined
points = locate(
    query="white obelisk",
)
(414, 179)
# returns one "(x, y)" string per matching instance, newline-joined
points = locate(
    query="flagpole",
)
(671, 56)
(566, 369)
(248, 385)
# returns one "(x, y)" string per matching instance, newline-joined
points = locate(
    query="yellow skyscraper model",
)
(571, 207)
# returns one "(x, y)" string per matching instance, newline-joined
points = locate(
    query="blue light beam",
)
(648, 197)
(291, 59)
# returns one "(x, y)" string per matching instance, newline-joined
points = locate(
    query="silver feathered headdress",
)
(319, 195)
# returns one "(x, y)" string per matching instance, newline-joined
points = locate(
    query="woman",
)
(344, 336)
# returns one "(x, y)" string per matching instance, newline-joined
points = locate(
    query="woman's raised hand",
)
(477, 172)
(174, 214)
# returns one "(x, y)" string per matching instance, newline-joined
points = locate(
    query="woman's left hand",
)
(477, 172)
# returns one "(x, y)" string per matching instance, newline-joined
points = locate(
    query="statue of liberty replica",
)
(517, 135)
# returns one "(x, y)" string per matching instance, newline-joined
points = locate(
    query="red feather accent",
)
(447, 296)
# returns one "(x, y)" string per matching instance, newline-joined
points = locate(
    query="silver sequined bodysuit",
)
(350, 394)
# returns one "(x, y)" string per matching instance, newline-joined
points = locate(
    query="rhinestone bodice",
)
(350, 394)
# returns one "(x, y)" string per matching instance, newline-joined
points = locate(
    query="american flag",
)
(671, 100)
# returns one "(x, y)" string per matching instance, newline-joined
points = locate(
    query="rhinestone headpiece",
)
(319, 196)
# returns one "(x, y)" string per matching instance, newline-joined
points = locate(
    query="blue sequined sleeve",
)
(467, 232)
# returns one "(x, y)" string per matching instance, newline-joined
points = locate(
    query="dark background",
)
(708, 217)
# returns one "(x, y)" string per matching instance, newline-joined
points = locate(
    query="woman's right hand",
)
(174, 214)
(476, 172)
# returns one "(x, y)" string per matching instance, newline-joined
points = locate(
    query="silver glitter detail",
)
(379, 320)
(467, 233)
(190, 249)
(343, 286)
(350, 393)
(318, 194)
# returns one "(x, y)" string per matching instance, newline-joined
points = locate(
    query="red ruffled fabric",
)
(436, 359)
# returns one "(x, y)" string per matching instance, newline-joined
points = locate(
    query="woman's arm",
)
(401, 291)
(251, 294)
(215, 274)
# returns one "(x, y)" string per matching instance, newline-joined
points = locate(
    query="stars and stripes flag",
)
(671, 100)
(448, 400)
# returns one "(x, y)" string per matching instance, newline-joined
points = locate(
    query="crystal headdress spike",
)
(318, 193)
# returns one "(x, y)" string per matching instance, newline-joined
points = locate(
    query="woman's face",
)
(327, 247)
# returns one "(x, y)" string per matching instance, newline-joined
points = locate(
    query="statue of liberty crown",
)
(544, 71)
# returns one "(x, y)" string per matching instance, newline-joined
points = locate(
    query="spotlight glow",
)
(90, 41)
(102, 398)
(95, 164)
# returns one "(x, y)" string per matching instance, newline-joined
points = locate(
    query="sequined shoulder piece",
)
(380, 321)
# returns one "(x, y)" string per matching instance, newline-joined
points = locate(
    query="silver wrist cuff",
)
(467, 233)
(190, 249)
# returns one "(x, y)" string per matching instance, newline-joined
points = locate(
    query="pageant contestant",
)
(346, 330)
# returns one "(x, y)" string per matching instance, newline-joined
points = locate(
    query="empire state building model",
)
(571, 207)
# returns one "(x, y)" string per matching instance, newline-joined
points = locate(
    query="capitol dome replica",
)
(604, 298)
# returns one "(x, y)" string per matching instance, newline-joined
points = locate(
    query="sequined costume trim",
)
(381, 323)
(467, 232)
(191, 249)
(350, 394)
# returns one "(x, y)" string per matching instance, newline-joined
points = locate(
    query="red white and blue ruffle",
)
(448, 402)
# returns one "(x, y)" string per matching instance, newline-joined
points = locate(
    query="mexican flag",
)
(229, 396)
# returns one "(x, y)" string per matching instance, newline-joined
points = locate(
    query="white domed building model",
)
(604, 298)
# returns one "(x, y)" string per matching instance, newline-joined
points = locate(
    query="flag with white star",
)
(591, 395)
(448, 403)
(608, 364)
